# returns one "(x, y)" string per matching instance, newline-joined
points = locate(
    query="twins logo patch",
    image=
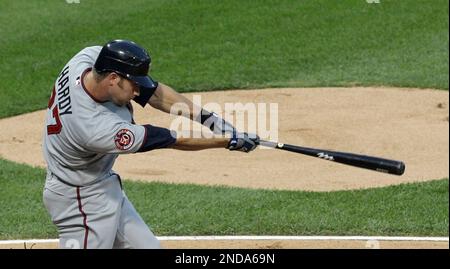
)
(124, 139)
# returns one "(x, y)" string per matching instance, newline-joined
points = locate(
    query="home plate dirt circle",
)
(410, 125)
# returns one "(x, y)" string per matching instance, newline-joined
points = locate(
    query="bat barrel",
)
(369, 162)
(362, 161)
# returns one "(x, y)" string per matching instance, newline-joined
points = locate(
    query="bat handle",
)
(268, 144)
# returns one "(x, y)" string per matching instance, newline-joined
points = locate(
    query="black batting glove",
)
(243, 142)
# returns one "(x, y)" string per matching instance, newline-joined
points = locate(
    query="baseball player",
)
(89, 123)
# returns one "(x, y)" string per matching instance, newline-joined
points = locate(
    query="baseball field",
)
(356, 76)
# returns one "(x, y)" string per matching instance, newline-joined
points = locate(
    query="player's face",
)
(124, 91)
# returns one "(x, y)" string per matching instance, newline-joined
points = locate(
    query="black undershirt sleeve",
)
(156, 138)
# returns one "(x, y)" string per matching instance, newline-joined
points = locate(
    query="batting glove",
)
(243, 142)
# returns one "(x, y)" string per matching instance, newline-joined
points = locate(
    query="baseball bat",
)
(368, 162)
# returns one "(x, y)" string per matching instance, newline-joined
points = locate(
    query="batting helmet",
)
(128, 60)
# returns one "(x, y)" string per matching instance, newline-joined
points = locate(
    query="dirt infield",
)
(404, 124)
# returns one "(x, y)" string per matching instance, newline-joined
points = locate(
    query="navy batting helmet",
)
(128, 60)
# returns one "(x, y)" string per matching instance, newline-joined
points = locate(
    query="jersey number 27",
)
(54, 128)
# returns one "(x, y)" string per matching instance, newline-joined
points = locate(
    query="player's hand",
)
(243, 142)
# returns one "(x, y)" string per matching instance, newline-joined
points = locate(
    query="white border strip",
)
(227, 238)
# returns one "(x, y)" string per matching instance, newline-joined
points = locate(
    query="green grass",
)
(206, 45)
(22, 211)
(419, 209)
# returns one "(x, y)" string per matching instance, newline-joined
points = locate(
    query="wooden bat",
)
(363, 161)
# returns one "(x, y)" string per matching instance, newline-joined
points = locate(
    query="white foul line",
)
(304, 238)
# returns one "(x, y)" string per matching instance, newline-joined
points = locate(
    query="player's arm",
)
(193, 144)
(164, 98)
(168, 100)
(113, 135)
(158, 137)
(244, 143)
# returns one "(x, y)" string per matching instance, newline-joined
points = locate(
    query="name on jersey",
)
(63, 93)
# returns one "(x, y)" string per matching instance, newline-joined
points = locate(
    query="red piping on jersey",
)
(84, 87)
(52, 98)
(86, 228)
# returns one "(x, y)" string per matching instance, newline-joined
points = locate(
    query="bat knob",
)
(400, 169)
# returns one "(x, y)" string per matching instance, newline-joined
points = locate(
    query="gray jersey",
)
(83, 136)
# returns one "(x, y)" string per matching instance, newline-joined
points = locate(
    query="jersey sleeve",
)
(125, 137)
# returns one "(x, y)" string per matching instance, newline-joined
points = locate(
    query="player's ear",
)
(113, 79)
